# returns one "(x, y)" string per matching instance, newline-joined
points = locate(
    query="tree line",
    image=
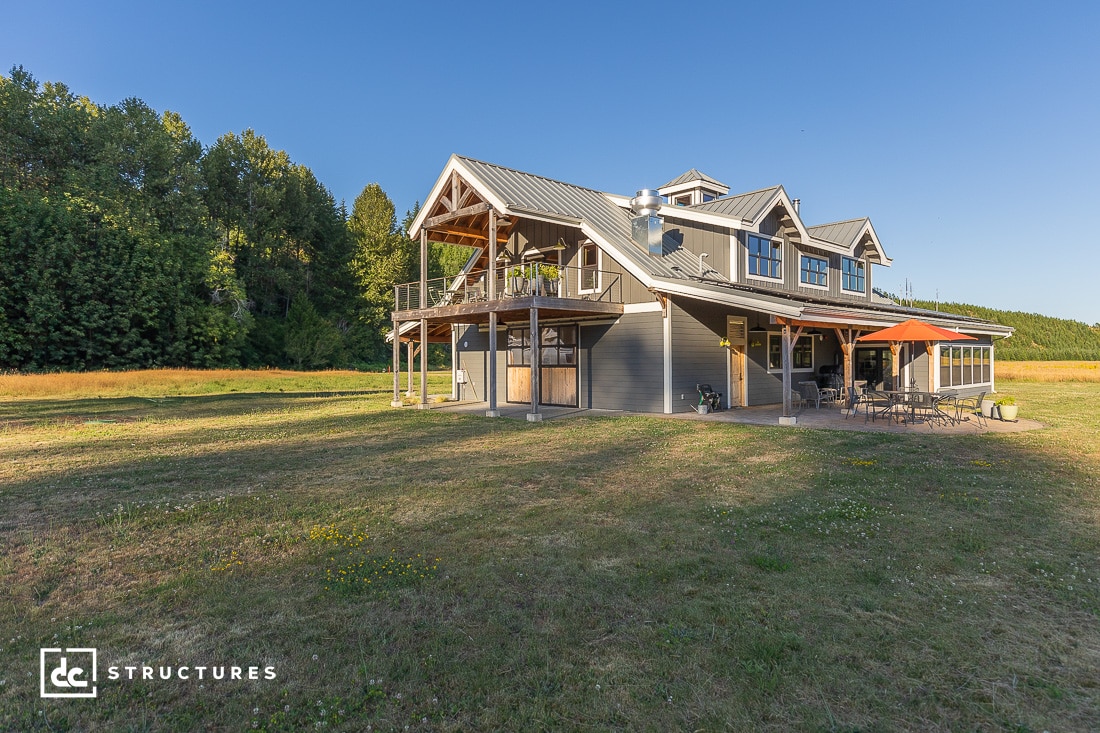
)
(125, 243)
(1037, 337)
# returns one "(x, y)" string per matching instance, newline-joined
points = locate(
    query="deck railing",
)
(514, 281)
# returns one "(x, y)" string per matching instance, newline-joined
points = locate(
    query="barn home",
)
(579, 298)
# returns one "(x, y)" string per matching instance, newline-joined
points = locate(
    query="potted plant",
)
(518, 276)
(1008, 408)
(551, 274)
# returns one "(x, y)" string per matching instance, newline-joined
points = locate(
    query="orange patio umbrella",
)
(914, 330)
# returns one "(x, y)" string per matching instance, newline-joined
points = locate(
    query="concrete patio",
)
(829, 418)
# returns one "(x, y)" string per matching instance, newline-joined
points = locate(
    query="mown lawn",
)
(410, 570)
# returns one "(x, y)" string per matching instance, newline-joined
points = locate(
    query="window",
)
(590, 267)
(815, 271)
(964, 365)
(558, 345)
(853, 276)
(765, 257)
(684, 200)
(708, 197)
(802, 358)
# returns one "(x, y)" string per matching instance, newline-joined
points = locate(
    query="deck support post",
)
(491, 274)
(410, 357)
(785, 357)
(454, 362)
(536, 357)
(423, 321)
(396, 402)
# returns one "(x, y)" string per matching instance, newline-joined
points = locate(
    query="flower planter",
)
(987, 408)
(1009, 412)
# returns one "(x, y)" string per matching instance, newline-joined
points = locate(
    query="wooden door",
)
(736, 334)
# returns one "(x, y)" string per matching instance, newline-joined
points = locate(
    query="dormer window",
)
(707, 196)
(853, 279)
(765, 257)
(682, 200)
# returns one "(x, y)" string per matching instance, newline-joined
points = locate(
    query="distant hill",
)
(1037, 337)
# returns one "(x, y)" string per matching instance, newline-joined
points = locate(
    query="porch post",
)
(423, 321)
(410, 357)
(536, 357)
(785, 357)
(423, 364)
(929, 347)
(894, 372)
(491, 274)
(396, 402)
(454, 362)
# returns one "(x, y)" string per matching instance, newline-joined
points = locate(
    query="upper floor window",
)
(708, 197)
(684, 200)
(765, 256)
(589, 257)
(853, 276)
(814, 271)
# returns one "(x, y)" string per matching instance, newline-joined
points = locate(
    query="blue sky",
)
(967, 131)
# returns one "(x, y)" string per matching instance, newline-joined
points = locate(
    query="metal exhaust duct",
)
(645, 226)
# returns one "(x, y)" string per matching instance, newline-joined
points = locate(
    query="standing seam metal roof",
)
(746, 206)
(843, 233)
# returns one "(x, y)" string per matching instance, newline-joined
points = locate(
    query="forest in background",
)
(126, 243)
(1037, 337)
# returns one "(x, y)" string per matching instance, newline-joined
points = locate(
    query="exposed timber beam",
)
(457, 214)
(470, 232)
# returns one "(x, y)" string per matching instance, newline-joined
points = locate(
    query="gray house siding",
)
(699, 238)
(621, 366)
(696, 356)
(473, 356)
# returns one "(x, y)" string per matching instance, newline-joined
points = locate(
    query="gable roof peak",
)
(692, 176)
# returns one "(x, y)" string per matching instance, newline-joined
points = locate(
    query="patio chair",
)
(856, 398)
(967, 406)
(797, 402)
(878, 404)
(812, 393)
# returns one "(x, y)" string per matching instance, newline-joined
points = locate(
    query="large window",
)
(590, 267)
(802, 359)
(853, 276)
(558, 345)
(961, 366)
(765, 257)
(814, 271)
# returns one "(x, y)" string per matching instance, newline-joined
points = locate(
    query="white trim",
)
(695, 183)
(687, 214)
(779, 369)
(735, 242)
(730, 297)
(641, 307)
(782, 265)
(812, 286)
(866, 273)
(453, 165)
(580, 267)
(667, 354)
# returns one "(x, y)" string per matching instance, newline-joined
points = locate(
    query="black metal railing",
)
(513, 281)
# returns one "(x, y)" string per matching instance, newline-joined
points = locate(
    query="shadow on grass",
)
(632, 573)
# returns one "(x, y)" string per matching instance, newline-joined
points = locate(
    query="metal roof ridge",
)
(532, 175)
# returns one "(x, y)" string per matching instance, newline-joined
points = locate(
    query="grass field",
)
(412, 570)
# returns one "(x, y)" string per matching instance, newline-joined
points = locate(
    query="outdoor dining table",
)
(907, 405)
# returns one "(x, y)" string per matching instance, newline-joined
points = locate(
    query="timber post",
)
(396, 402)
(536, 358)
(423, 321)
(785, 356)
(491, 273)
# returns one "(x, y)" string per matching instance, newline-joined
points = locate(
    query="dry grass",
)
(159, 382)
(594, 574)
(1049, 371)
